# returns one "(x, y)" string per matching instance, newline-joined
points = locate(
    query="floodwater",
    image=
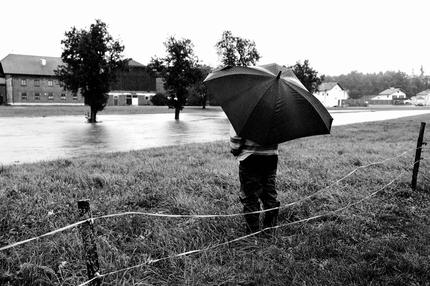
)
(25, 139)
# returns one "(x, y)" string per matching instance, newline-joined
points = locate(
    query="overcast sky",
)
(336, 36)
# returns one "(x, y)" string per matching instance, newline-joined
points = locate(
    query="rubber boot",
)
(252, 223)
(271, 217)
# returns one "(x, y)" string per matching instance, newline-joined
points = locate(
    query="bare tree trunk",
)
(177, 109)
(204, 101)
(93, 114)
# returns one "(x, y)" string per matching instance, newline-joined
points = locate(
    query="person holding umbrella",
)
(266, 105)
(257, 174)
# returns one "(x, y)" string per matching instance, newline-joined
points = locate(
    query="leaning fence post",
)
(418, 156)
(88, 238)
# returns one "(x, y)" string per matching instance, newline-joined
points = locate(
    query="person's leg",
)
(269, 194)
(250, 187)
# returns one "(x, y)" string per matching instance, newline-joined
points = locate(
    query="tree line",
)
(92, 58)
(360, 84)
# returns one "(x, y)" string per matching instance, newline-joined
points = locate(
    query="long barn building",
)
(31, 80)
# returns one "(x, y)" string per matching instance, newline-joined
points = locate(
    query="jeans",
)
(257, 175)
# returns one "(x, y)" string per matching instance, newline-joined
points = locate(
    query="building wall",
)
(2, 94)
(126, 98)
(136, 78)
(9, 89)
(19, 93)
(144, 100)
(116, 100)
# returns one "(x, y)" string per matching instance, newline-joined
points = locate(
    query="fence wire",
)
(152, 261)
(202, 216)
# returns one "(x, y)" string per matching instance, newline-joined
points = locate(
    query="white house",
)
(390, 94)
(422, 98)
(331, 94)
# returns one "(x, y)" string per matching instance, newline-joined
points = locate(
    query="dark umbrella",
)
(268, 104)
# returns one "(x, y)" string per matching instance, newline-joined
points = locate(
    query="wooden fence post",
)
(88, 238)
(418, 156)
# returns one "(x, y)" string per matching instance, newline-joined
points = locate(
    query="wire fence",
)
(201, 216)
(150, 261)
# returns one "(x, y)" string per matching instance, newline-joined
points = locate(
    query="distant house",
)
(331, 94)
(389, 94)
(30, 80)
(422, 98)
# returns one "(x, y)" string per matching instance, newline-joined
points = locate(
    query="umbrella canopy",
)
(268, 104)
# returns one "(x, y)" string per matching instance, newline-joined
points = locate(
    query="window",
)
(128, 100)
(23, 96)
(37, 96)
(56, 82)
(75, 96)
(63, 96)
(23, 82)
(50, 96)
(36, 82)
(50, 83)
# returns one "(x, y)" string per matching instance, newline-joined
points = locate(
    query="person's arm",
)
(236, 142)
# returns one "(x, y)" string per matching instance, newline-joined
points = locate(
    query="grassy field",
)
(384, 240)
(55, 110)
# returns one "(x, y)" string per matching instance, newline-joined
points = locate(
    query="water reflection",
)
(34, 139)
(82, 140)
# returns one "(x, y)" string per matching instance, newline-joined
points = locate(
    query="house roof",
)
(327, 86)
(424, 92)
(389, 91)
(133, 63)
(37, 65)
(31, 65)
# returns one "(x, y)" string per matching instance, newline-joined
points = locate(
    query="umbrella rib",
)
(269, 86)
(310, 102)
(276, 103)
(239, 71)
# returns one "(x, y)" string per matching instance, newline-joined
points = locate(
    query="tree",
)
(198, 91)
(236, 51)
(307, 75)
(178, 69)
(91, 60)
(360, 84)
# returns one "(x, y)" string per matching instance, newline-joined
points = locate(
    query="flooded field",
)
(25, 139)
